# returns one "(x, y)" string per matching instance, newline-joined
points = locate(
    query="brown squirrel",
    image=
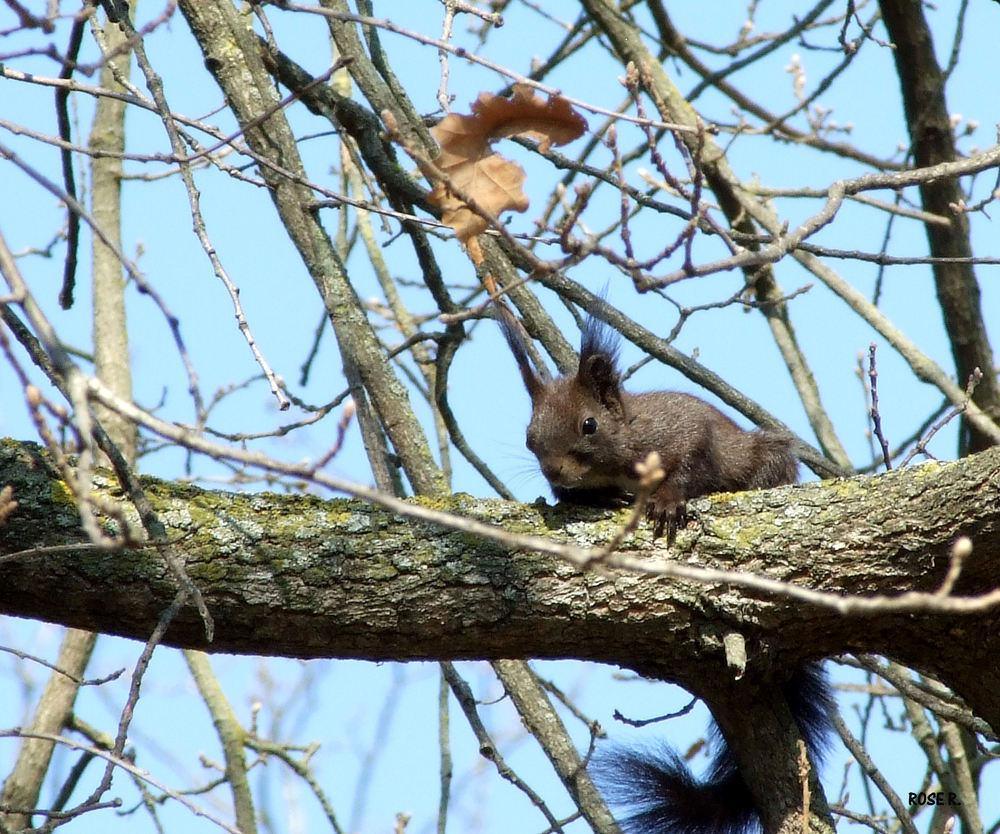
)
(588, 435)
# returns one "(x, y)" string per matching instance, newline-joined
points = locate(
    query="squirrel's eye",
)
(589, 425)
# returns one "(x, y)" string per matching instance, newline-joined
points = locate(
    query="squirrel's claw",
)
(667, 510)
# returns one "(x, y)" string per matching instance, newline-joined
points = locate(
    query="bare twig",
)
(874, 413)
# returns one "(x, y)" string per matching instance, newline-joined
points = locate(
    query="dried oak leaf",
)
(494, 183)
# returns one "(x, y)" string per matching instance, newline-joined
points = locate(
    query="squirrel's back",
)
(718, 454)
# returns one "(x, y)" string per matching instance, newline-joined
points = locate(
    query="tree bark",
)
(305, 577)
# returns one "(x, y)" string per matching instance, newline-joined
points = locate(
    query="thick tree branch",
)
(299, 576)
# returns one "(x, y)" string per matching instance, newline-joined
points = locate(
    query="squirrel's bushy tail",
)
(656, 793)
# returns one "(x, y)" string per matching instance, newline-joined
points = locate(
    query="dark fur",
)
(656, 792)
(701, 449)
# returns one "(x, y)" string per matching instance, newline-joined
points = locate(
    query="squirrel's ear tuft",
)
(598, 339)
(598, 372)
(599, 377)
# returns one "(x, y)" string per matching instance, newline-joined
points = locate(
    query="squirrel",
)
(588, 435)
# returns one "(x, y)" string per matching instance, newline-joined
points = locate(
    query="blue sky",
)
(342, 709)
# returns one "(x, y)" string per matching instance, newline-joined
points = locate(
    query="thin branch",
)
(116, 760)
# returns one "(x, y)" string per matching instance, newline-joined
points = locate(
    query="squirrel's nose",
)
(553, 472)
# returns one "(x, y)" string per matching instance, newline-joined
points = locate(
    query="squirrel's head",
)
(579, 422)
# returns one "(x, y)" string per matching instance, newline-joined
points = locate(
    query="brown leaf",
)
(492, 181)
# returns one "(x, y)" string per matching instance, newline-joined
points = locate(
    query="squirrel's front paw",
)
(667, 510)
